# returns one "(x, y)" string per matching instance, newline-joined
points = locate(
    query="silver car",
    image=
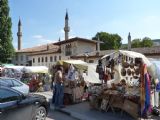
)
(15, 84)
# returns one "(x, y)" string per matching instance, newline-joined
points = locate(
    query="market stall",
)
(12, 71)
(74, 84)
(37, 77)
(126, 79)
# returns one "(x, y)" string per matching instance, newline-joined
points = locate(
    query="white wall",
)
(84, 47)
(44, 63)
(21, 59)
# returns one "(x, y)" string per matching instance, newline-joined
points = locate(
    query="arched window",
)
(68, 49)
(42, 59)
(38, 60)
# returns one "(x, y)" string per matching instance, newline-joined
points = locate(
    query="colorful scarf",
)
(145, 92)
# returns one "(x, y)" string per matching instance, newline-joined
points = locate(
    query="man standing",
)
(59, 94)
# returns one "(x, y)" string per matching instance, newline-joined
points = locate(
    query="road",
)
(55, 115)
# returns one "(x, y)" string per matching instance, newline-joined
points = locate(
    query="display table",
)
(115, 100)
(112, 100)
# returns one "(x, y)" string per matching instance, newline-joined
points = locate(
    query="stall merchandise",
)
(37, 77)
(12, 71)
(74, 83)
(26, 74)
(128, 77)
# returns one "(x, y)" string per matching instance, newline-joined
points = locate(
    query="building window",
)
(39, 60)
(21, 57)
(55, 58)
(33, 60)
(42, 59)
(91, 61)
(46, 59)
(26, 58)
(16, 57)
(51, 59)
(68, 50)
(59, 57)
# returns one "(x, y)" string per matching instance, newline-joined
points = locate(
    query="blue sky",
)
(43, 20)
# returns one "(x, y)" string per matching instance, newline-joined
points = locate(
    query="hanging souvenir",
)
(129, 72)
(126, 58)
(135, 77)
(131, 65)
(132, 73)
(125, 64)
(138, 61)
(120, 58)
(107, 61)
(123, 72)
(137, 71)
(107, 58)
(129, 58)
(112, 62)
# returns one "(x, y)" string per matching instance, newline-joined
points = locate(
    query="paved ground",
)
(82, 111)
(54, 115)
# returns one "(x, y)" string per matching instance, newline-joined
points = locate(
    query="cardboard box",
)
(131, 108)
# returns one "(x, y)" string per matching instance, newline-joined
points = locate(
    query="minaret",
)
(98, 45)
(19, 35)
(66, 28)
(129, 42)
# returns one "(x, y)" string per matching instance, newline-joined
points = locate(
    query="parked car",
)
(14, 105)
(15, 84)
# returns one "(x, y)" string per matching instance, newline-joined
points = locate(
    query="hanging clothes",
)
(71, 73)
(145, 92)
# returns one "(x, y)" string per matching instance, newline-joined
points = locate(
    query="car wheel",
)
(40, 114)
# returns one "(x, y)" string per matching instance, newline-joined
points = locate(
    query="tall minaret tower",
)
(66, 27)
(19, 35)
(129, 42)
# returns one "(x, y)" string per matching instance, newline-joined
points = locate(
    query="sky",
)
(43, 20)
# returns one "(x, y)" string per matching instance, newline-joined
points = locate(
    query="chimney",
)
(47, 47)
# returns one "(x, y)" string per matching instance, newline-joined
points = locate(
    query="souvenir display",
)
(74, 84)
(130, 83)
(131, 65)
(128, 72)
(123, 72)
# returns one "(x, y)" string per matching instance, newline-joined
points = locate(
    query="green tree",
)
(146, 42)
(136, 43)
(110, 41)
(6, 47)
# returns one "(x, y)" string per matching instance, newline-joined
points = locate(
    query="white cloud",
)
(139, 27)
(38, 36)
(151, 20)
(61, 31)
(42, 40)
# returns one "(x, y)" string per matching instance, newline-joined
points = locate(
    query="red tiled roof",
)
(145, 51)
(39, 48)
(50, 51)
(75, 39)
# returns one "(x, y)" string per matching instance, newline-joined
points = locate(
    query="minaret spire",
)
(19, 34)
(129, 42)
(98, 45)
(66, 27)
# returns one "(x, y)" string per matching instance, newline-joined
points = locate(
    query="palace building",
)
(49, 54)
